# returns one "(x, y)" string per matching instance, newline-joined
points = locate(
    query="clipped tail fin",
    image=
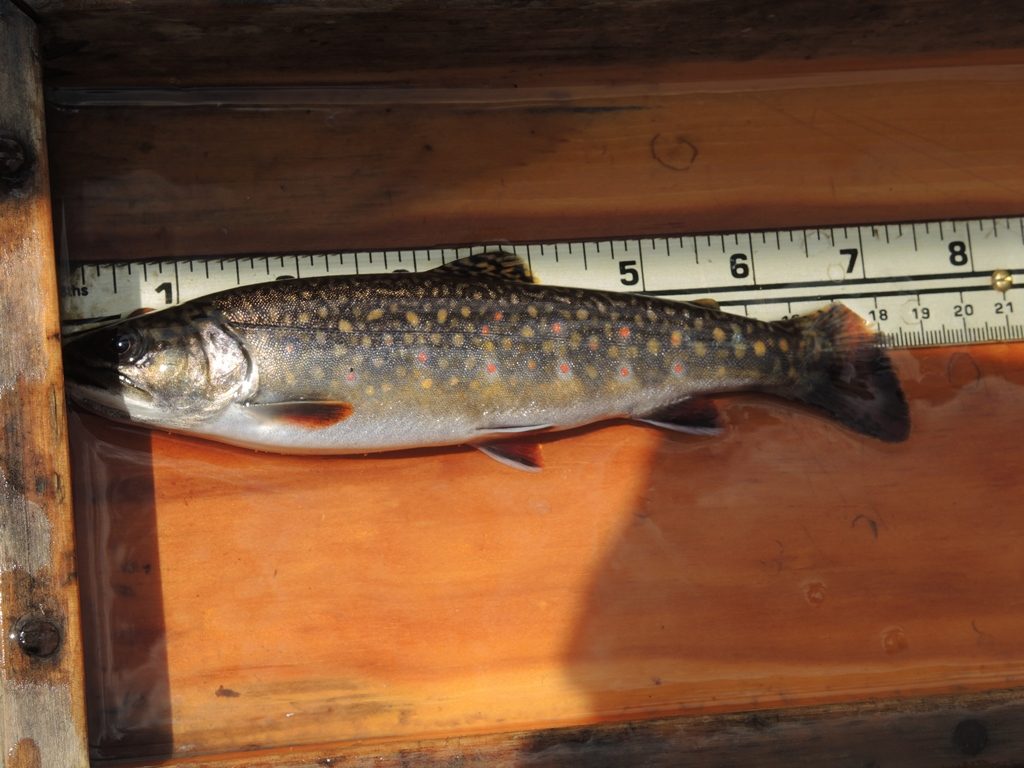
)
(849, 376)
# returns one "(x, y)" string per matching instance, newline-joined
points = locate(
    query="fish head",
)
(168, 369)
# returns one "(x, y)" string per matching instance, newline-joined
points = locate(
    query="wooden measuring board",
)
(919, 283)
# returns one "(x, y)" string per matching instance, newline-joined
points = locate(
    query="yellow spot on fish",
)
(290, 377)
(653, 346)
(375, 314)
(367, 341)
(488, 346)
(700, 348)
(740, 350)
(304, 317)
(759, 348)
(427, 383)
(676, 338)
(408, 338)
(698, 323)
(718, 334)
(412, 319)
(784, 345)
(453, 381)
(320, 337)
(575, 340)
(582, 314)
(442, 315)
(527, 331)
(338, 350)
(632, 352)
(369, 390)
(464, 311)
(613, 352)
(377, 362)
(721, 372)
(506, 343)
(435, 338)
(591, 372)
(548, 346)
(321, 312)
(385, 387)
(531, 364)
(531, 311)
(594, 343)
(345, 326)
(458, 339)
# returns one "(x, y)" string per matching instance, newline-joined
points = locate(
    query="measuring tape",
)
(920, 284)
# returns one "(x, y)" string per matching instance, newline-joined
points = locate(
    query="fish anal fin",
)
(694, 416)
(519, 454)
(500, 264)
(311, 414)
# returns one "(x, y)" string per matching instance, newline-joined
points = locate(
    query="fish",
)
(475, 352)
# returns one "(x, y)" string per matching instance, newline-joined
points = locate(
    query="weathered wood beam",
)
(41, 700)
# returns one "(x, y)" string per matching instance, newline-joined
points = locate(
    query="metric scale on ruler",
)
(920, 284)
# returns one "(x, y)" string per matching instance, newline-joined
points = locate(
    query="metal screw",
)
(37, 636)
(970, 737)
(16, 162)
(1002, 280)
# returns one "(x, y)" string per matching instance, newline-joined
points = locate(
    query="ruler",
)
(919, 283)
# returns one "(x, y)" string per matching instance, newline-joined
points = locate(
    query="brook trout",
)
(473, 353)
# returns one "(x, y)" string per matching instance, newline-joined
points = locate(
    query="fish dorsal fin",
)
(507, 266)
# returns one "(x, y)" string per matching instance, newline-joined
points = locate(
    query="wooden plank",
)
(41, 695)
(933, 732)
(639, 575)
(147, 42)
(268, 171)
(239, 601)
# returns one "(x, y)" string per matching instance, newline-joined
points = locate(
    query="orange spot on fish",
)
(422, 357)
(350, 376)
(556, 327)
(485, 329)
(624, 332)
(594, 343)
(498, 317)
(564, 367)
(624, 371)
(492, 368)
(677, 368)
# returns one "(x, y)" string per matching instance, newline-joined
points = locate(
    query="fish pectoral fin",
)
(313, 414)
(507, 266)
(694, 416)
(519, 454)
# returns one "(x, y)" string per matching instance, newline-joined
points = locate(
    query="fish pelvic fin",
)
(849, 376)
(500, 264)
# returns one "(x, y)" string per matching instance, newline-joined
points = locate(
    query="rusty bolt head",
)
(16, 162)
(37, 636)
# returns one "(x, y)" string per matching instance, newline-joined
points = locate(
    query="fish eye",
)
(129, 345)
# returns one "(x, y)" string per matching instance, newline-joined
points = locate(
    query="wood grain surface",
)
(42, 719)
(419, 42)
(241, 601)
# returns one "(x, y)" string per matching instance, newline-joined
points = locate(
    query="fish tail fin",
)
(849, 376)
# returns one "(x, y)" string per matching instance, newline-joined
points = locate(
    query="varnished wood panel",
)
(41, 693)
(329, 169)
(214, 42)
(937, 732)
(241, 601)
